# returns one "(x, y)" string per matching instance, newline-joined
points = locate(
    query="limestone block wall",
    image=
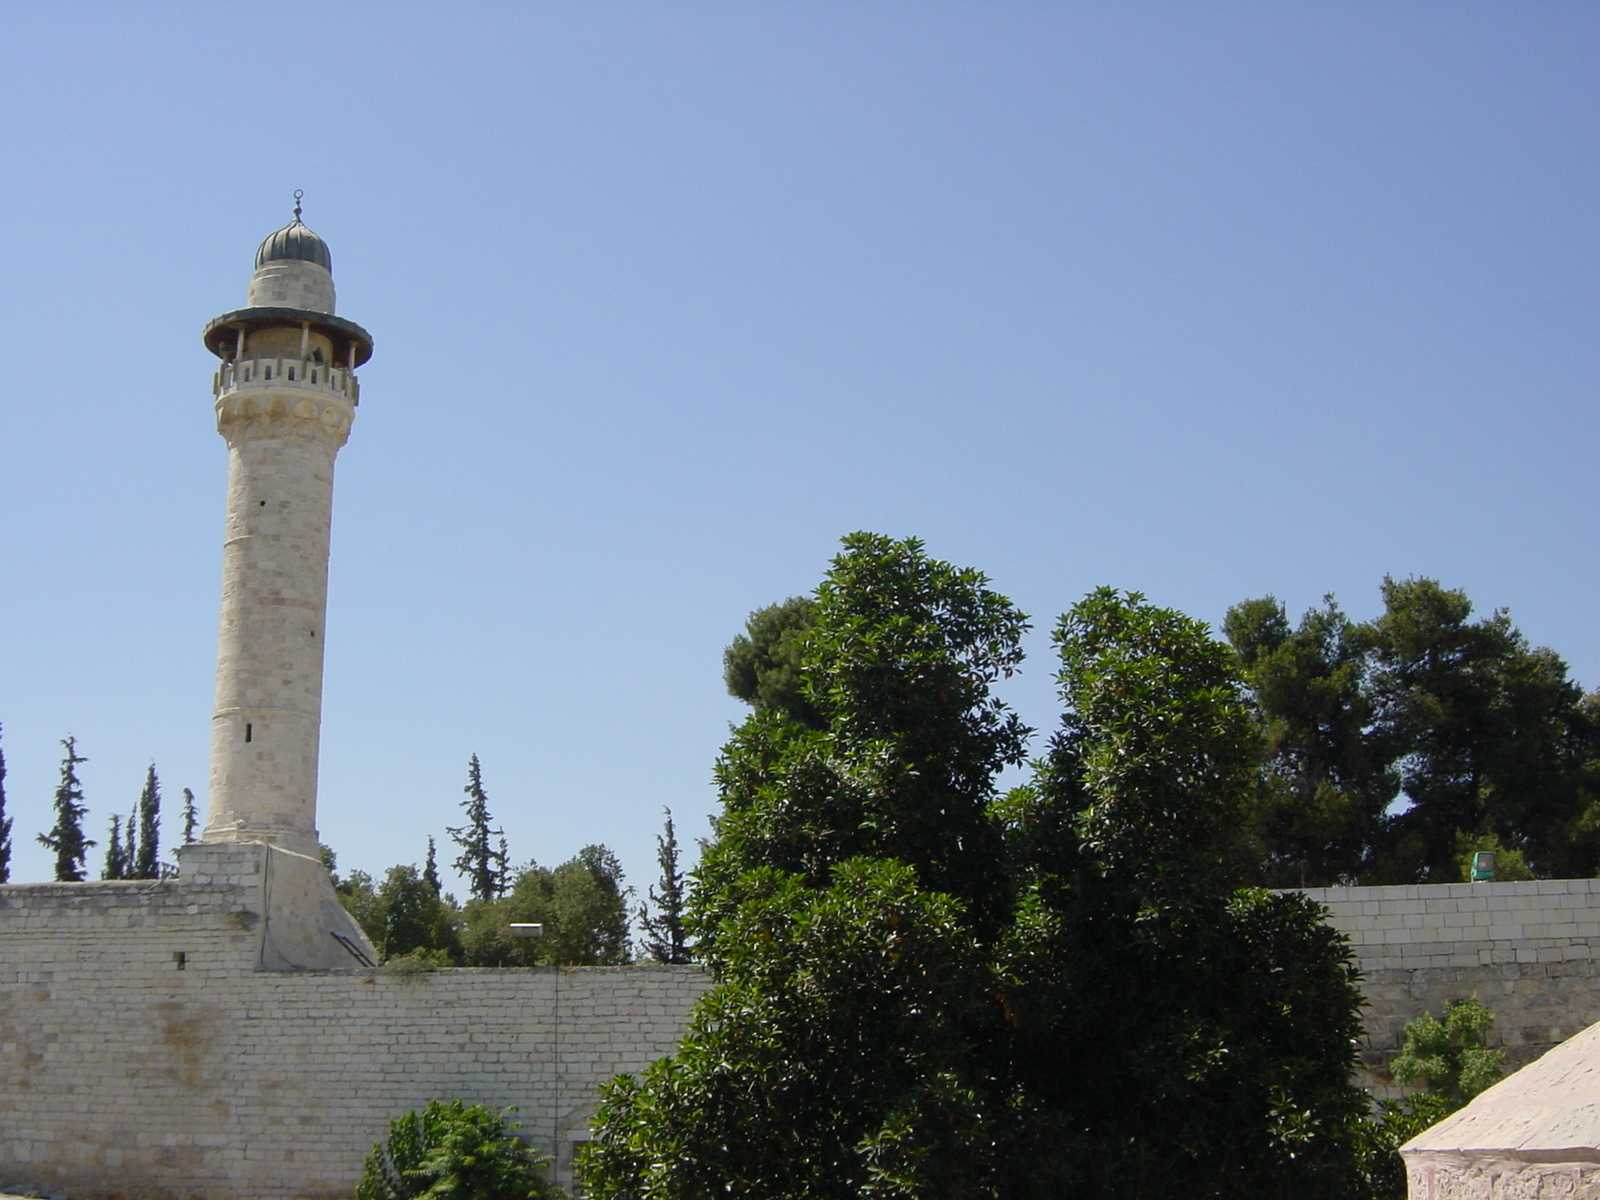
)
(149, 1050)
(144, 1051)
(1529, 951)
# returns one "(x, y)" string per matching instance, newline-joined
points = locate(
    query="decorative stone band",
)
(282, 413)
(297, 374)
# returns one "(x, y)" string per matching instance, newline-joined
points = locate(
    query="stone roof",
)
(1548, 1111)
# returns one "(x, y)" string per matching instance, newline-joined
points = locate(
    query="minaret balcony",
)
(296, 374)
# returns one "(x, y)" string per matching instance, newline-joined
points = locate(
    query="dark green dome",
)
(296, 243)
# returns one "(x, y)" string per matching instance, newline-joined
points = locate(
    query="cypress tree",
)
(142, 860)
(190, 817)
(5, 825)
(430, 870)
(116, 854)
(662, 917)
(66, 835)
(482, 864)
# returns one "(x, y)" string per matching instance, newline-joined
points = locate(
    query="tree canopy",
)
(145, 861)
(1393, 747)
(761, 666)
(66, 835)
(482, 860)
(663, 923)
(455, 1151)
(1174, 1033)
(582, 904)
(925, 989)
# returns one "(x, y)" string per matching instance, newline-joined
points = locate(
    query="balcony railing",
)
(300, 374)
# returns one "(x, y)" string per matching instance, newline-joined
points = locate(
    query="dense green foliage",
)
(837, 1046)
(483, 860)
(116, 865)
(5, 825)
(412, 919)
(133, 848)
(762, 665)
(455, 1151)
(145, 856)
(1449, 1056)
(663, 918)
(899, 661)
(1176, 1035)
(66, 835)
(836, 1049)
(1488, 741)
(582, 904)
(191, 816)
(924, 989)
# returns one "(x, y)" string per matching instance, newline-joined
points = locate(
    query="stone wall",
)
(145, 1052)
(148, 1048)
(1529, 951)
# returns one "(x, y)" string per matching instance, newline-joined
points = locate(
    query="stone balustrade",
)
(301, 374)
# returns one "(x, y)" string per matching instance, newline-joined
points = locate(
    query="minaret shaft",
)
(266, 727)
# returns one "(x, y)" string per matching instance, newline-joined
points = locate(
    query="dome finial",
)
(299, 194)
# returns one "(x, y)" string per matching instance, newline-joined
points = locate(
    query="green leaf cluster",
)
(761, 666)
(455, 1151)
(1449, 1056)
(1175, 1034)
(1483, 738)
(927, 989)
(582, 904)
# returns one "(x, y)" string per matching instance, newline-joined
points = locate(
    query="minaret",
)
(286, 393)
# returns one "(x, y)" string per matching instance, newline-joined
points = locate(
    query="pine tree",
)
(5, 826)
(190, 817)
(482, 864)
(142, 859)
(661, 918)
(430, 869)
(66, 836)
(116, 854)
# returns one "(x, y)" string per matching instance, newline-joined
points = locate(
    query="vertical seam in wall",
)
(266, 906)
(555, 1066)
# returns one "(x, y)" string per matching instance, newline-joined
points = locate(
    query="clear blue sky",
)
(1207, 300)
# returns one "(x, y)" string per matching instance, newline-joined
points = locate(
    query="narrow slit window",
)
(291, 374)
(180, 959)
(249, 731)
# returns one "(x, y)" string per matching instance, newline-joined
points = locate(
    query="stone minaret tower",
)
(286, 393)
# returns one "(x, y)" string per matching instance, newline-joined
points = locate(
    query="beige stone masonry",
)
(1530, 951)
(145, 1053)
